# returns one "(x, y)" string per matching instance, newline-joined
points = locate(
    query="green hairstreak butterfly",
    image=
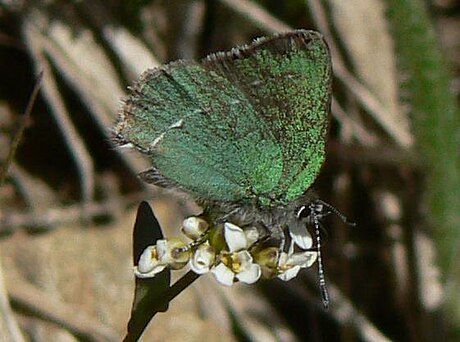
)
(243, 132)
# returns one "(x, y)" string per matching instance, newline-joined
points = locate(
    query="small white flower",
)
(149, 263)
(193, 227)
(202, 259)
(167, 252)
(289, 264)
(237, 265)
(300, 236)
(238, 239)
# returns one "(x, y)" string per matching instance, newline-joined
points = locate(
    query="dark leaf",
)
(149, 294)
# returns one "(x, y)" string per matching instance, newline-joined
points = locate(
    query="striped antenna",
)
(315, 213)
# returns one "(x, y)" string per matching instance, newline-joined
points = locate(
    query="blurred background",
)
(393, 167)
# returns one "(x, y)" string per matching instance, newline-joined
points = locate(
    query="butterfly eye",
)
(302, 212)
(316, 208)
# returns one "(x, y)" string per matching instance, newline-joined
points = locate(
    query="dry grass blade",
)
(31, 301)
(355, 129)
(61, 216)
(254, 315)
(264, 20)
(379, 113)
(22, 126)
(344, 312)
(80, 155)
(257, 15)
(9, 325)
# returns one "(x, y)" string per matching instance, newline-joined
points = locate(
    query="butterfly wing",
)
(287, 80)
(201, 132)
(249, 123)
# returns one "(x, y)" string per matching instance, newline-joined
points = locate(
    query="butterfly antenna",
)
(336, 211)
(322, 279)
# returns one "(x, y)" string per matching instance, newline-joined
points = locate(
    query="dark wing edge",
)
(273, 42)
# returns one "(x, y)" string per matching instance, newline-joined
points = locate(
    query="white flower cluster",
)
(233, 255)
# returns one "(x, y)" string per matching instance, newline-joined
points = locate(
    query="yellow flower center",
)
(232, 261)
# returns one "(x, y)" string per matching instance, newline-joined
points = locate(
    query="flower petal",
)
(304, 259)
(148, 260)
(250, 275)
(223, 275)
(234, 237)
(243, 259)
(301, 236)
(157, 269)
(290, 273)
(202, 259)
(193, 227)
(162, 248)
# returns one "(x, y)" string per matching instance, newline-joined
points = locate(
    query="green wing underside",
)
(208, 138)
(250, 123)
(289, 80)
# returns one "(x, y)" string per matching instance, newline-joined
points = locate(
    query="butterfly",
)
(242, 132)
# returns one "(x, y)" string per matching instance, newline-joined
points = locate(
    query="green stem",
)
(436, 125)
(136, 329)
(180, 285)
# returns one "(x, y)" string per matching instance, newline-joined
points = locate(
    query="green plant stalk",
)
(436, 126)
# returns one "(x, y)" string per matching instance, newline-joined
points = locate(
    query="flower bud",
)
(173, 252)
(267, 258)
(202, 259)
(193, 227)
